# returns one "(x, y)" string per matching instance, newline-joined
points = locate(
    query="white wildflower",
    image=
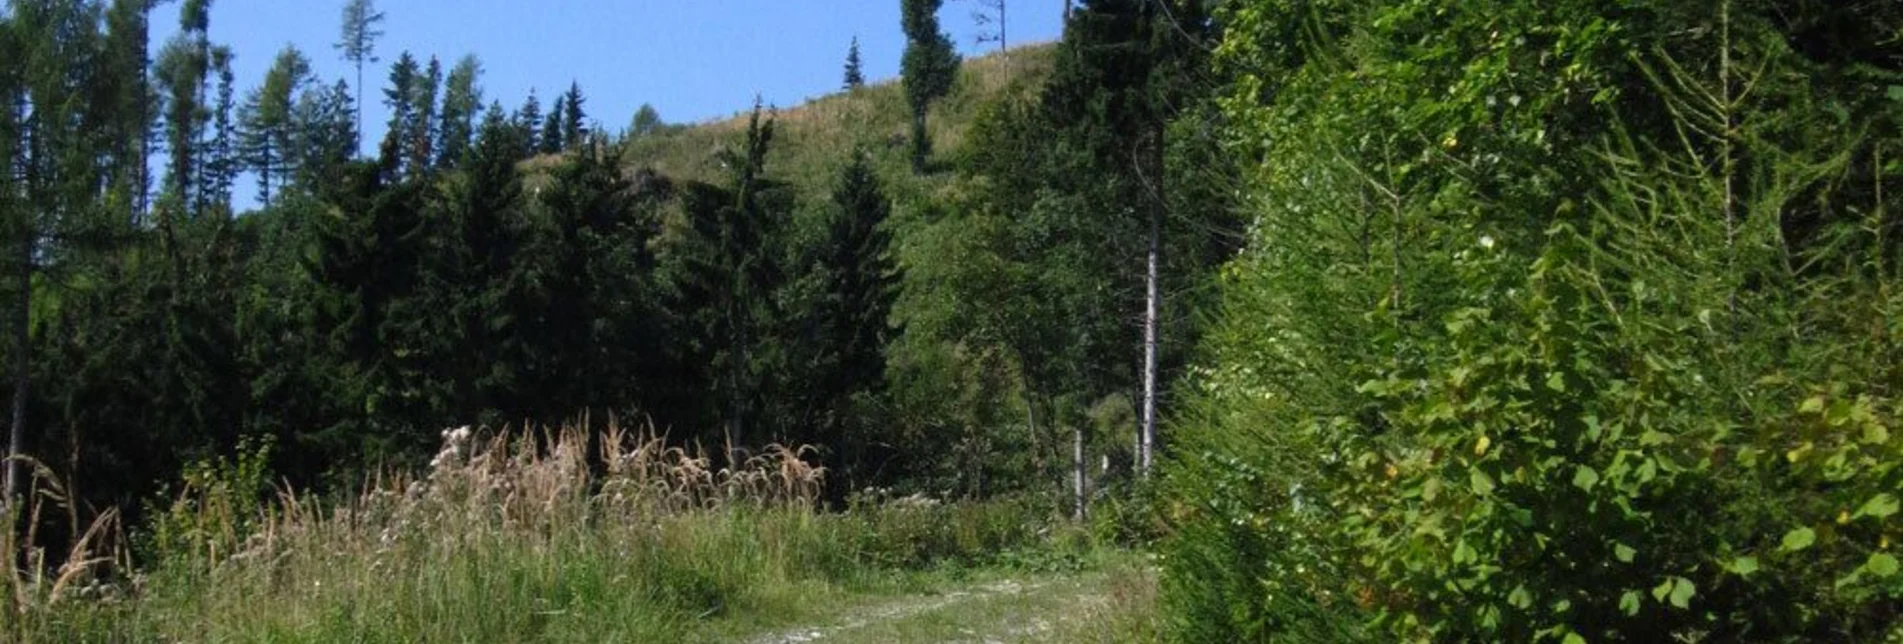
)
(1486, 241)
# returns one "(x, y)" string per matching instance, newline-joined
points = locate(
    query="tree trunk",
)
(22, 374)
(1152, 306)
(1081, 502)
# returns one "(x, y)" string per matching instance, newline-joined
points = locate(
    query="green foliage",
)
(929, 66)
(1492, 368)
(855, 77)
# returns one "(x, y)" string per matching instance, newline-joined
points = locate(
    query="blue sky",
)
(692, 59)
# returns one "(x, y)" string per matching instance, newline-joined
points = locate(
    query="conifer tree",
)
(400, 97)
(358, 41)
(574, 129)
(929, 67)
(421, 128)
(268, 138)
(462, 98)
(528, 125)
(855, 76)
(551, 141)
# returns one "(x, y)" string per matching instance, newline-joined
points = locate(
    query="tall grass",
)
(555, 535)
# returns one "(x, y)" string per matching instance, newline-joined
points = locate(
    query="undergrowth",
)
(513, 537)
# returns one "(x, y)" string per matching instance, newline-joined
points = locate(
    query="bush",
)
(1541, 337)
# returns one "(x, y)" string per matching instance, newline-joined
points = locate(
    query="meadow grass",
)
(555, 536)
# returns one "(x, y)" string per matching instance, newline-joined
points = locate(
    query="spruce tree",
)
(551, 141)
(855, 76)
(528, 125)
(400, 97)
(574, 131)
(421, 128)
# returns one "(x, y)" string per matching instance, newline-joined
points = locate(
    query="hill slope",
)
(813, 139)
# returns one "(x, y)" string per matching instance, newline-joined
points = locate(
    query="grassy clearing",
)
(811, 141)
(529, 538)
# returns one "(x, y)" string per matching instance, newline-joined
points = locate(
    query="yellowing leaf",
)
(1480, 446)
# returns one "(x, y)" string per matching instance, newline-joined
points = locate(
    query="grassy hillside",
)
(812, 140)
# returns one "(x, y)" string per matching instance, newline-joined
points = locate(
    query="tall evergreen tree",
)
(929, 66)
(574, 127)
(421, 128)
(400, 96)
(528, 125)
(184, 64)
(326, 139)
(357, 41)
(221, 162)
(462, 99)
(855, 76)
(268, 140)
(551, 141)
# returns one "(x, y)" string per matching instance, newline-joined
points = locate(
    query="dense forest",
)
(1377, 320)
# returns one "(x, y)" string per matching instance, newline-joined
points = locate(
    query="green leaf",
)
(1812, 405)
(1482, 484)
(1630, 602)
(1744, 565)
(1880, 506)
(1624, 552)
(1799, 539)
(1520, 598)
(1896, 93)
(1573, 638)
(1682, 592)
(1663, 589)
(1881, 564)
(1585, 478)
(1556, 382)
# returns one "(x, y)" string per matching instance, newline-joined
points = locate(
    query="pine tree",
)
(855, 77)
(929, 67)
(462, 98)
(358, 41)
